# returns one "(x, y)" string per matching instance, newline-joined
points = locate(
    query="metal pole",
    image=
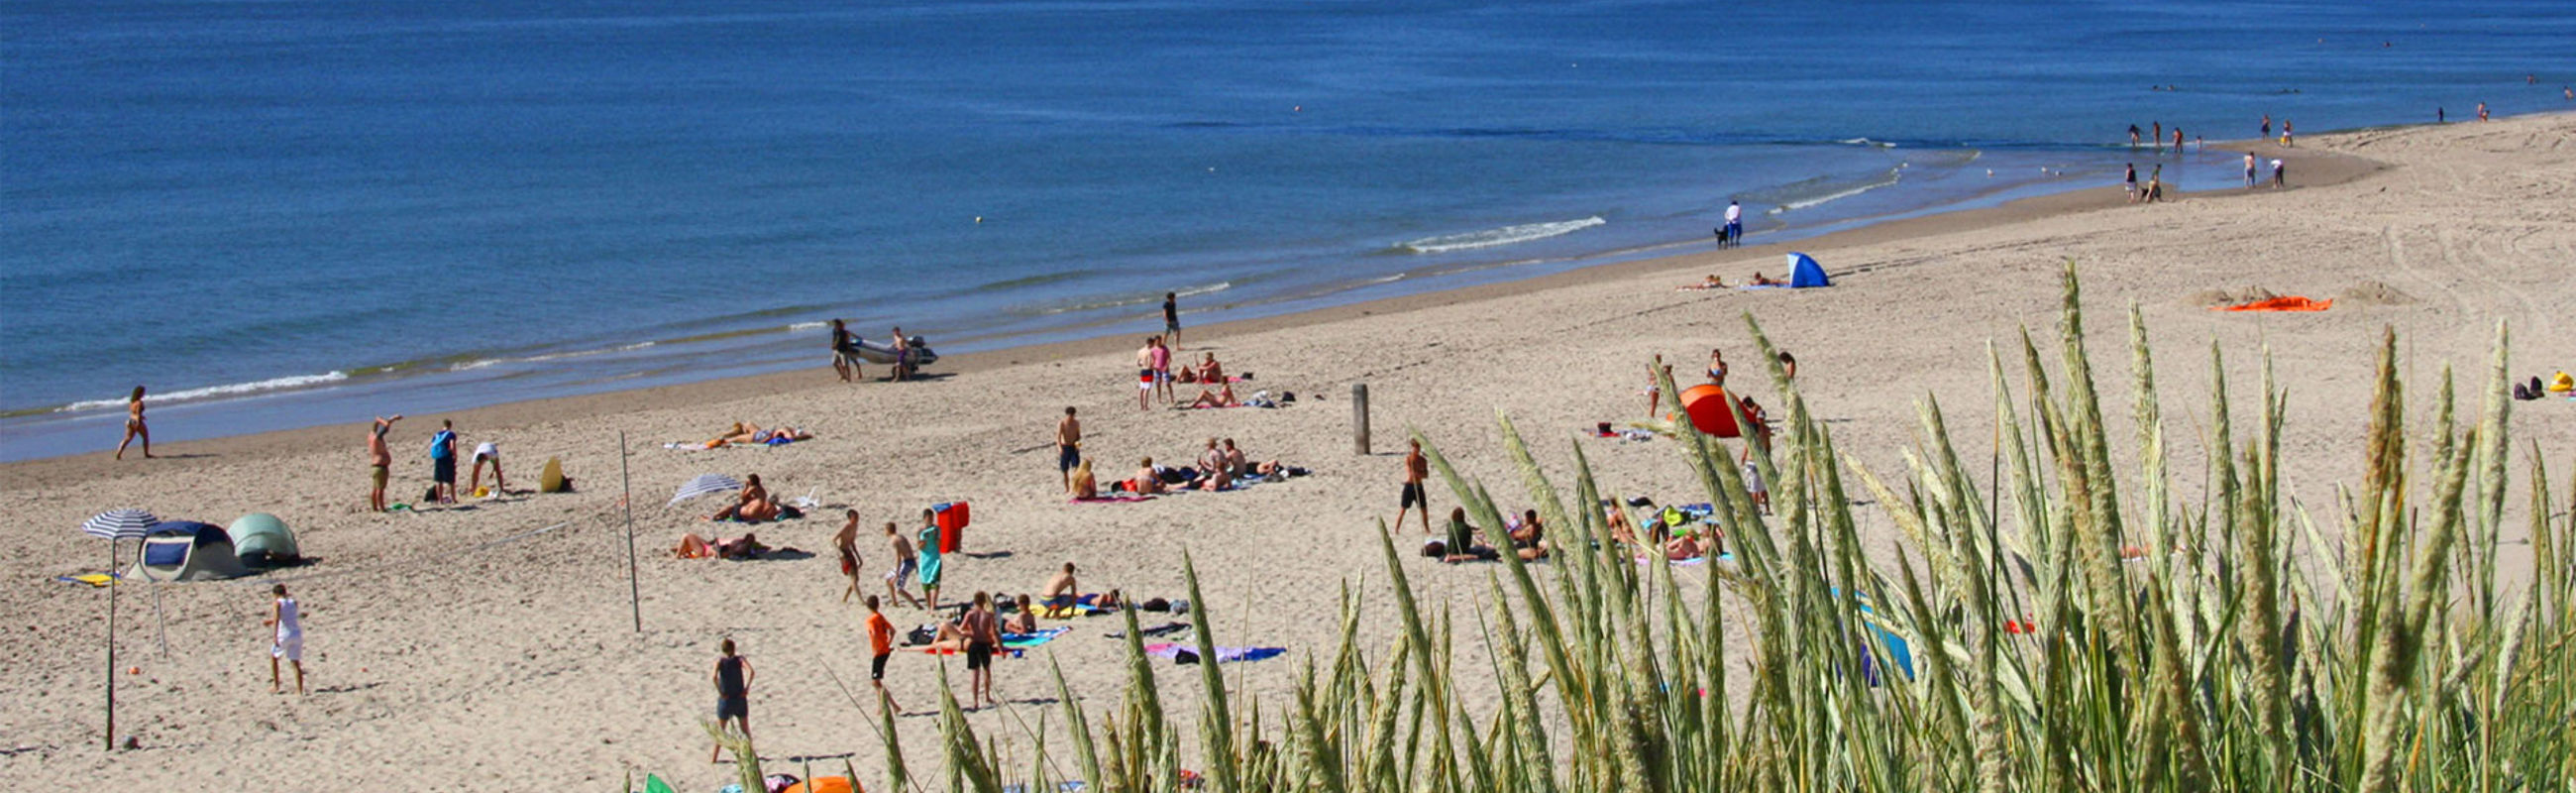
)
(1359, 418)
(112, 582)
(634, 590)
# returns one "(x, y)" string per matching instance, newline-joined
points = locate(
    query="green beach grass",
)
(2259, 646)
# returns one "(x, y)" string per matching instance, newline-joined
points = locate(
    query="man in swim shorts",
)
(880, 648)
(380, 460)
(983, 635)
(1416, 469)
(1068, 447)
(733, 694)
(905, 564)
(1145, 373)
(1172, 317)
(1162, 361)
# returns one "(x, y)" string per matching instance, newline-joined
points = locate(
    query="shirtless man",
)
(1763, 280)
(1416, 469)
(904, 565)
(1145, 373)
(380, 460)
(846, 541)
(902, 355)
(1146, 483)
(1068, 447)
(1210, 371)
(1061, 590)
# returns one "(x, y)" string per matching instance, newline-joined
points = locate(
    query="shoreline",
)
(2315, 168)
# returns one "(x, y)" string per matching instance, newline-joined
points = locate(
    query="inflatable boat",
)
(879, 352)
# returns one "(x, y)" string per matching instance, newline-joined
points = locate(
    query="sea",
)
(282, 213)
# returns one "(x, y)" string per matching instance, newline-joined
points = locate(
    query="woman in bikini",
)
(134, 427)
(1222, 397)
(755, 505)
(1085, 485)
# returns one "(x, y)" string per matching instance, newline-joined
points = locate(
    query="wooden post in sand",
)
(634, 591)
(1359, 419)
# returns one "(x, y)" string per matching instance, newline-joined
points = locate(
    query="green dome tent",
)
(260, 539)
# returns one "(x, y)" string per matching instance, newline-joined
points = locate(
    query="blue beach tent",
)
(1805, 272)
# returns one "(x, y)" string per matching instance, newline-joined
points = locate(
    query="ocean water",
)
(283, 213)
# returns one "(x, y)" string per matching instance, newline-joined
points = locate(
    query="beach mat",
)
(1224, 655)
(2284, 303)
(1012, 641)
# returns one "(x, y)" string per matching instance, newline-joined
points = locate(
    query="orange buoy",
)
(1709, 408)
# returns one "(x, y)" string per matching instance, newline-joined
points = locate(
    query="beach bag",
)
(920, 635)
(1156, 605)
(1185, 657)
(1435, 549)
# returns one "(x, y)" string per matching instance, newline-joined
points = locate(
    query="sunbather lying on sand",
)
(1761, 280)
(1712, 282)
(752, 434)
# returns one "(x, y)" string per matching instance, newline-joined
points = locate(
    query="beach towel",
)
(1164, 629)
(1110, 500)
(1013, 642)
(1224, 655)
(1694, 561)
(2285, 303)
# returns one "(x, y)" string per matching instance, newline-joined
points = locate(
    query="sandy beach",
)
(491, 646)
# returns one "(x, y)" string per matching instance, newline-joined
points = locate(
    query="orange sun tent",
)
(1707, 404)
(2288, 303)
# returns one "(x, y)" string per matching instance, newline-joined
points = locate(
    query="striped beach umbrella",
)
(704, 484)
(123, 524)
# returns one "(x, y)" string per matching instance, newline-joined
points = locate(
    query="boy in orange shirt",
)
(880, 643)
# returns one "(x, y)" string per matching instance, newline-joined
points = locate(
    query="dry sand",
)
(451, 647)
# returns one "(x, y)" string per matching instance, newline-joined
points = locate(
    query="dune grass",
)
(2256, 646)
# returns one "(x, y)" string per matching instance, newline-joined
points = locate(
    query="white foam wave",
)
(232, 389)
(807, 326)
(468, 366)
(1507, 235)
(1195, 291)
(1867, 142)
(1803, 203)
(636, 346)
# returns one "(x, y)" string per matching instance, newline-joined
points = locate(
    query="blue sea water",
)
(282, 213)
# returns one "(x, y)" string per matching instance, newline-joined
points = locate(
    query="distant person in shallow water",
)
(134, 425)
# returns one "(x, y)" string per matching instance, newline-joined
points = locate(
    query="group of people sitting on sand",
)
(1528, 539)
(1695, 540)
(754, 505)
(1220, 466)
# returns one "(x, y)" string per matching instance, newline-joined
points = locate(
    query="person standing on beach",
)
(2286, 134)
(2249, 169)
(286, 640)
(1068, 447)
(880, 648)
(846, 541)
(1145, 373)
(1416, 469)
(1172, 318)
(1162, 360)
(733, 694)
(380, 461)
(134, 425)
(1734, 230)
(902, 355)
(442, 461)
(2482, 111)
(1717, 365)
(2129, 181)
(905, 564)
(928, 554)
(842, 360)
(983, 636)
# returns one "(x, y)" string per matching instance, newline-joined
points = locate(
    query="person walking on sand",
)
(380, 461)
(846, 541)
(1172, 318)
(1734, 228)
(927, 552)
(983, 636)
(1162, 360)
(134, 427)
(1145, 373)
(2129, 181)
(1068, 447)
(442, 461)
(1416, 469)
(880, 648)
(905, 564)
(733, 694)
(844, 359)
(286, 639)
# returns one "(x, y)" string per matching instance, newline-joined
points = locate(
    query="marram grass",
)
(2251, 650)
